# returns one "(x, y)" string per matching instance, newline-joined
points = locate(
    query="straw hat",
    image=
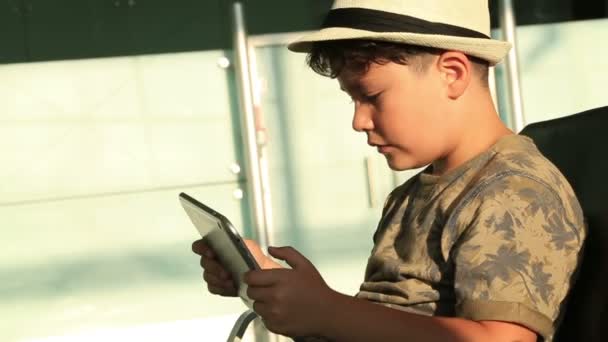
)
(457, 25)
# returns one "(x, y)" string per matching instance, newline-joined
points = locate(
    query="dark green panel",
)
(533, 12)
(271, 16)
(12, 43)
(73, 29)
(70, 29)
(184, 25)
(66, 29)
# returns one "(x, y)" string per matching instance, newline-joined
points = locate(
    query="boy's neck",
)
(473, 139)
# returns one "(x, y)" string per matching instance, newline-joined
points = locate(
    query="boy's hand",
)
(219, 281)
(291, 302)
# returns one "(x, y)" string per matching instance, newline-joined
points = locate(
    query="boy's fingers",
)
(201, 248)
(226, 292)
(260, 294)
(211, 266)
(216, 280)
(289, 255)
(263, 278)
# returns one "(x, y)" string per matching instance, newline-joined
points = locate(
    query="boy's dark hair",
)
(329, 58)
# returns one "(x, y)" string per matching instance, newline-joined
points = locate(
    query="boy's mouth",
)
(383, 149)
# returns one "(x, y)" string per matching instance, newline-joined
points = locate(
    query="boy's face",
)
(402, 111)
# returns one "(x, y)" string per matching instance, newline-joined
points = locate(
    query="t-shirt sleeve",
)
(516, 254)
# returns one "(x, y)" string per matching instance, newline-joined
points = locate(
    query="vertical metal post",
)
(254, 138)
(248, 128)
(371, 185)
(262, 141)
(508, 26)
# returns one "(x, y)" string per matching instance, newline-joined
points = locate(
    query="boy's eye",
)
(364, 98)
(371, 98)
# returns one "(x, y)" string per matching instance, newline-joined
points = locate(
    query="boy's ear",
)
(456, 69)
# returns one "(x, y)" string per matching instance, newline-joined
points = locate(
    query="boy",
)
(481, 245)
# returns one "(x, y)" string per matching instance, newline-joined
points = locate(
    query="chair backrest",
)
(578, 146)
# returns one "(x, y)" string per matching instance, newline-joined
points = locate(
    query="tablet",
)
(225, 241)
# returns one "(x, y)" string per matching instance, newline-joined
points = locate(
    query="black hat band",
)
(381, 21)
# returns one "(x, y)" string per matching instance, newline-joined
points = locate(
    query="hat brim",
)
(490, 50)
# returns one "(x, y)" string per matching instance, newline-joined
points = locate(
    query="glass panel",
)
(94, 154)
(96, 126)
(562, 68)
(105, 262)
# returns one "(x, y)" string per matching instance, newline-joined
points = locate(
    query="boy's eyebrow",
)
(352, 88)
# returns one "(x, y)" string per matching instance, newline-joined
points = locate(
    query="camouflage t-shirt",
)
(498, 239)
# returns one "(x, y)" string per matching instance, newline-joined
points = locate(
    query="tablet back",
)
(224, 240)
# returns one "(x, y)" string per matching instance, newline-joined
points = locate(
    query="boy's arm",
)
(297, 302)
(351, 319)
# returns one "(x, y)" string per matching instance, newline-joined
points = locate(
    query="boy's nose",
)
(362, 120)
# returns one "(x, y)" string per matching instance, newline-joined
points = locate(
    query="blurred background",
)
(110, 108)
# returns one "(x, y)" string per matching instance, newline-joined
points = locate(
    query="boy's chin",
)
(400, 164)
